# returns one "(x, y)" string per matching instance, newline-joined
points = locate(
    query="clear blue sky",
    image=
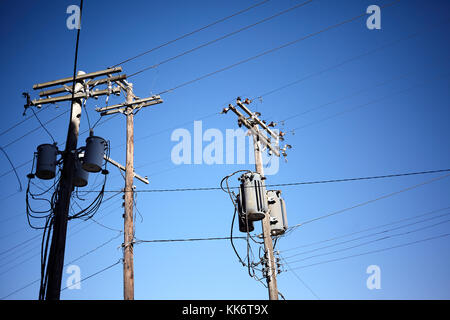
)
(400, 80)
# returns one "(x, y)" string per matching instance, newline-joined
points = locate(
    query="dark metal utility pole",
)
(54, 270)
(58, 244)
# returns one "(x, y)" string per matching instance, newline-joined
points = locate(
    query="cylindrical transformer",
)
(253, 196)
(245, 225)
(93, 155)
(46, 161)
(277, 212)
(80, 176)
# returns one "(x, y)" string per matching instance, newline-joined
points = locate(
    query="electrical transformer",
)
(252, 195)
(277, 212)
(80, 176)
(46, 161)
(244, 224)
(93, 155)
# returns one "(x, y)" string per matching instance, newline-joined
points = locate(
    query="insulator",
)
(46, 161)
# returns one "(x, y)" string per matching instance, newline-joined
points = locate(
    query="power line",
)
(187, 240)
(300, 279)
(22, 121)
(292, 183)
(20, 244)
(221, 38)
(271, 50)
(368, 202)
(191, 33)
(353, 94)
(83, 227)
(365, 230)
(371, 241)
(373, 251)
(34, 130)
(95, 249)
(93, 275)
(373, 101)
(13, 168)
(76, 259)
(43, 127)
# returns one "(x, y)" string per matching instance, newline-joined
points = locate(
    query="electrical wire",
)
(300, 279)
(191, 33)
(13, 168)
(371, 235)
(374, 101)
(351, 95)
(21, 121)
(368, 202)
(373, 251)
(220, 38)
(372, 241)
(138, 241)
(34, 130)
(291, 183)
(43, 127)
(83, 227)
(66, 264)
(311, 35)
(364, 230)
(93, 275)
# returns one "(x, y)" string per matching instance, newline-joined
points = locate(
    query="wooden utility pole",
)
(128, 227)
(268, 244)
(128, 108)
(53, 275)
(253, 123)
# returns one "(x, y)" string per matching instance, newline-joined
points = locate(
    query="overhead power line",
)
(390, 95)
(364, 230)
(33, 248)
(299, 279)
(35, 129)
(188, 240)
(191, 33)
(291, 183)
(271, 50)
(93, 275)
(66, 264)
(367, 242)
(220, 38)
(374, 251)
(22, 121)
(369, 201)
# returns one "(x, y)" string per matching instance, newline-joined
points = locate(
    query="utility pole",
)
(128, 109)
(252, 122)
(128, 227)
(58, 244)
(61, 211)
(268, 244)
